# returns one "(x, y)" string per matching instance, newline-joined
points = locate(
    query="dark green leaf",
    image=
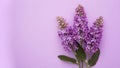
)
(66, 58)
(80, 53)
(93, 60)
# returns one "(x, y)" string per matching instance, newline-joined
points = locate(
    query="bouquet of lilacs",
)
(81, 40)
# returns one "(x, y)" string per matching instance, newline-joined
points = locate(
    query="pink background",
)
(28, 32)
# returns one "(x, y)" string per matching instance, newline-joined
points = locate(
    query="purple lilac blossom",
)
(66, 34)
(94, 36)
(81, 25)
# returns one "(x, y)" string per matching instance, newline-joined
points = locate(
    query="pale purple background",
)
(28, 32)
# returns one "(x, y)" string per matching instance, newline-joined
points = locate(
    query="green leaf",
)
(93, 60)
(66, 58)
(80, 53)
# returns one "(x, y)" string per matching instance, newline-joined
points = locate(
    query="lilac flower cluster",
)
(94, 35)
(89, 38)
(67, 34)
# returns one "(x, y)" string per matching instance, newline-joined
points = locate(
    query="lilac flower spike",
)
(67, 34)
(95, 35)
(81, 24)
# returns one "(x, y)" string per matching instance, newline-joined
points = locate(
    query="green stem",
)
(87, 66)
(79, 65)
(82, 64)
